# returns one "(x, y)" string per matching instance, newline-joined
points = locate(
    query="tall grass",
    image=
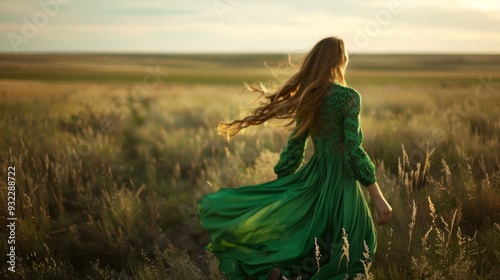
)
(108, 192)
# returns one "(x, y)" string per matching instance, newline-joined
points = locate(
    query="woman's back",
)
(339, 132)
(330, 133)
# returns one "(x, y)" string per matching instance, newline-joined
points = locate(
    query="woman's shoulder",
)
(341, 97)
(343, 92)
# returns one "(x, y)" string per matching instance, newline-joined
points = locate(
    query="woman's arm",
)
(292, 155)
(384, 210)
(359, 161)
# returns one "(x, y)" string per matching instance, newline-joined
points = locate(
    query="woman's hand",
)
(384, 210)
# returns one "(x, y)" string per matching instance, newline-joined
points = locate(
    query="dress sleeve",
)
(292, 155)
(358, 160)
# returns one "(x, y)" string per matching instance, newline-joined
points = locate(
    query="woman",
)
(313, 222)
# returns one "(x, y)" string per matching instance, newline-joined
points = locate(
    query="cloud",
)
(252, 25)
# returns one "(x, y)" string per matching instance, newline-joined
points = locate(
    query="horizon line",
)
(235, 53)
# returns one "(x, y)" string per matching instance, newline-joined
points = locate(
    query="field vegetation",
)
(112, 152)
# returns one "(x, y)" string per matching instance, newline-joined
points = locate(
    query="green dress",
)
(320, 205)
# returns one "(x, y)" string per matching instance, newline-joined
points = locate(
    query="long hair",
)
(300, 95)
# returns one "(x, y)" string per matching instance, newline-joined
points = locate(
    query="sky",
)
(248, 26)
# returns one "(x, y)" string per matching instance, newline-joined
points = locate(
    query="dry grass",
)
(107, 183)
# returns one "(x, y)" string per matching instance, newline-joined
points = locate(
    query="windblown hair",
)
(300, 95)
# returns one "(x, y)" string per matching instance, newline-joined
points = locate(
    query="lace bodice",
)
(339, 132)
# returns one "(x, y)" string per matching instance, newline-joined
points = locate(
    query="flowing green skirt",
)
(284, 223)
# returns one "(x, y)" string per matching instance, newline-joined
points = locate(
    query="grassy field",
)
(111, 153)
